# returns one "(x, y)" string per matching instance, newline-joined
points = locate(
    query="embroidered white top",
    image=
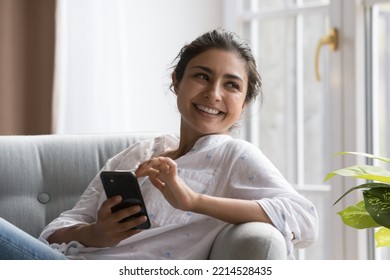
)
(218, 165)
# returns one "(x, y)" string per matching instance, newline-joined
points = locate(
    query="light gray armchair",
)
(41, 176)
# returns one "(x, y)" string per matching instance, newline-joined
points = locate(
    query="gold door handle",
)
(332, 41)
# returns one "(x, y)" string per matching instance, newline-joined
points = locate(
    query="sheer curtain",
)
(91, 67)
(113, 58)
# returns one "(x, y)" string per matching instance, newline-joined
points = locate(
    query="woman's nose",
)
(213, 92)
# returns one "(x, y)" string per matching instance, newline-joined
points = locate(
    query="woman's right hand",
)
(107, 231)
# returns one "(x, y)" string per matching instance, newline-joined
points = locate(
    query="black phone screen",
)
(125, 184)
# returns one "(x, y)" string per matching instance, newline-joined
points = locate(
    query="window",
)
(291, 127)
(303, 121)
(378, 86)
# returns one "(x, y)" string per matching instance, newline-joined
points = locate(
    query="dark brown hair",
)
(221, 39)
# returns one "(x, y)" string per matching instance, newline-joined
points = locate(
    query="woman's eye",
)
(233, 85)
(202, 76)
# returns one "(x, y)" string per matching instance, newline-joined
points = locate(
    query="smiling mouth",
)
(208, 110)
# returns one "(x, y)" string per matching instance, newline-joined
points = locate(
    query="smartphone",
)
(125, 184)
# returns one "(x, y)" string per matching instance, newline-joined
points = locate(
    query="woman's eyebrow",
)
(208, 70)
(204, 68)
(233, 77)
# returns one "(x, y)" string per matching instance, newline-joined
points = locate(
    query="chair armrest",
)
(249, 241)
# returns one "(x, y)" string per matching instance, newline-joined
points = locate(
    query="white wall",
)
(156, 31)
(162, 28)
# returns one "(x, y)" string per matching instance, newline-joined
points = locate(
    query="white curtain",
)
(91, 67)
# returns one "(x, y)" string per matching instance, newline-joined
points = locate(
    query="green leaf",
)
(365, 155)
(363, 186)
(377, 203)
(382, 237)
(356, 216)
(368, 172)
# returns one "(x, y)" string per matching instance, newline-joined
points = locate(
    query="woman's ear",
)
(175, 83)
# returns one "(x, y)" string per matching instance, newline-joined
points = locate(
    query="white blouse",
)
(217, 165)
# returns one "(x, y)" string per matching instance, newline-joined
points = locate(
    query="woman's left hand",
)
(162, 173)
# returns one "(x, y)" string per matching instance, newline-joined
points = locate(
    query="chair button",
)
(43, 198)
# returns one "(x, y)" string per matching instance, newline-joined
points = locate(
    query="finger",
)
(154, 162)
(159, 163)
(126, 212)
(132, 223)
(162, 166)
(151, 172)
(128, 233)
(157, 183)
(105, 209)
(167, 164)
(145, 168)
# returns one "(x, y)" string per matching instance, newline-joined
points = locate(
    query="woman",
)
(195, 184)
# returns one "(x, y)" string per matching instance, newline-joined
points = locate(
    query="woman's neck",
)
(188, 138)
(185, 145)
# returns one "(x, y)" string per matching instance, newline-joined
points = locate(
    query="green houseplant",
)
(373, 211)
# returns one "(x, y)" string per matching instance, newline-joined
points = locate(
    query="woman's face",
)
(211, 94)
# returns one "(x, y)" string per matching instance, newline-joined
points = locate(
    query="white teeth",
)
(207, 110)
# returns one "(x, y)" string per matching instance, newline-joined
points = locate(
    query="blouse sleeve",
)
(253, 176)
